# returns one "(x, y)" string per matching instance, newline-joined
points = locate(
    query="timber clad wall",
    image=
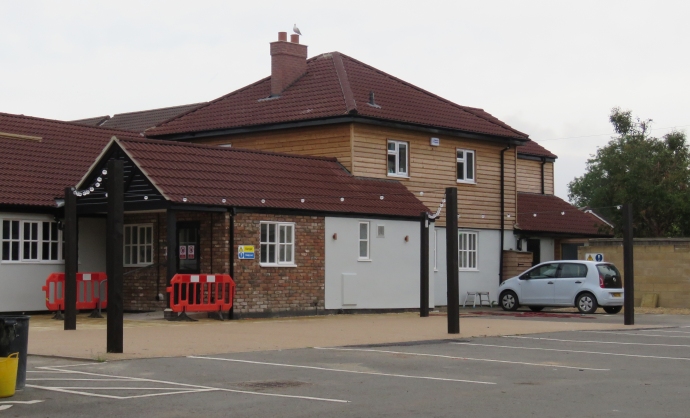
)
(515, 262)
(432, 169)
(662, 266)
(320, 141)
(529, 176)
(262, 290)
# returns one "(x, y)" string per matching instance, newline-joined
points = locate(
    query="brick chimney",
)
(288, 62)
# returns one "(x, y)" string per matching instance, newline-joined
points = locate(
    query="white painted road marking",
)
(184, 388)
(23, 402)
(574, 351)
(595, 342)
(639, 335)
(460, 358)
(682, 332)
(343, 370)
(4, 407)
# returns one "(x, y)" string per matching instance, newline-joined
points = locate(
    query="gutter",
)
(503, 215)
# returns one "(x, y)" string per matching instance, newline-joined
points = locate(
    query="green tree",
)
(653, 174)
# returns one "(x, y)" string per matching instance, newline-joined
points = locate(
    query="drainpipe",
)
(543, 162)
(503, 215)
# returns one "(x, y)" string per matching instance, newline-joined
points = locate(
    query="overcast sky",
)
(552, 69)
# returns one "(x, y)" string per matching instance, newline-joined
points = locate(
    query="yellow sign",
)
(246, 249)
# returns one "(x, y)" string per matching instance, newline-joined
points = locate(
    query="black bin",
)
(14, 338)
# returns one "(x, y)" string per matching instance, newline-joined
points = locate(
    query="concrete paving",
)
(146, 336)
(630, 372)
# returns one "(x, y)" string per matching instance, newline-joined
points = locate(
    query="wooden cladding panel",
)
(320, 141)
(529, 176)
(432, 169)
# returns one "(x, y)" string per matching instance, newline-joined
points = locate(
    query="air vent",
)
(380, 231)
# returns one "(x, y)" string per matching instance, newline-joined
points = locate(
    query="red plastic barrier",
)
(88, 291)
(201, 292)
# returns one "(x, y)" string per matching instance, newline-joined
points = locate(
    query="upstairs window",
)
(398, 157)
(465, 166)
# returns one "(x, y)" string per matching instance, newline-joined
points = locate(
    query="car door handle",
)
(578, 282)
(549, 283)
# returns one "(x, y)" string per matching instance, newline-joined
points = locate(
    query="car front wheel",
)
(613, 309)
(509, 301)
(586, 303)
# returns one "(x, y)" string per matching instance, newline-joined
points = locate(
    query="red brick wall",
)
(271, 290)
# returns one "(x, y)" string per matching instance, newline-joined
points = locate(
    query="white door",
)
(537, 285)
(571, 277)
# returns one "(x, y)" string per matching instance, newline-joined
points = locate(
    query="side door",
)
(537, 285)
(571, 277)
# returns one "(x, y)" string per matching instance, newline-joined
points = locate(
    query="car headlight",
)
(502, 283)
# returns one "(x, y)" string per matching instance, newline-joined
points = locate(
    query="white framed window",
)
(363, 241)
(138, 242)
(277, 244)
(465, 165)
(51, 248)
(31, 241)
(11, 240)
(398, 158)
(467, 250)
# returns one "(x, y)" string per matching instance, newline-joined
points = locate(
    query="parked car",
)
(583, 284)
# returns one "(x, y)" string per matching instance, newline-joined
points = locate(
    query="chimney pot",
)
(282, 36)
(294, 38)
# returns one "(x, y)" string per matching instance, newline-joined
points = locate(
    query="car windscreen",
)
(611, 275)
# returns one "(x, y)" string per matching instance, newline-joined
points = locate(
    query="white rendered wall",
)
(484, 279)
(390, 280)
(21, 282)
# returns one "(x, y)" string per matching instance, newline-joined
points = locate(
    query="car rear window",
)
(573, 270)
(612, 277)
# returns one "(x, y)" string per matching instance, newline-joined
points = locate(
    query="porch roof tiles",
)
(555, 215)
(206, 175)
(39, 157)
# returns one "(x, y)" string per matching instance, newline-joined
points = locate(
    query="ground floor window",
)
(277, 243)
(31, 241)
(138, 242)
(364, 240)
(467, 250)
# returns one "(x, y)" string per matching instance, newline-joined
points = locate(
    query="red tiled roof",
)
(138, 121)
(207, 174)
(34, 172)
(335, 85)
(555, 215)
(532, 148)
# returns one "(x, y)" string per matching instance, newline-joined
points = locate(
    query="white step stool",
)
(474, 296)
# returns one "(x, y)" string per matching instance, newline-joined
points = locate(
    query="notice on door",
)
(183, 252)
(190, 252)
(245, 252)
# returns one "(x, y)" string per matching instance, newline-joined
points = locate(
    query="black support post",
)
(171, 242)
(71, 259)
(452, 260)
(628, 266)
(114, 255)
(424, 266)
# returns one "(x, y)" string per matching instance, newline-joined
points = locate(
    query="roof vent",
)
(372, 101)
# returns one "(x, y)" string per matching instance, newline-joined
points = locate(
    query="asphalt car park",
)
(631, 373)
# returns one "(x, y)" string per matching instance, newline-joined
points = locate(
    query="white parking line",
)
(22, 402)
(573, 351)
(638, 335)
(595, 342)
(343, 370)
(185, 388)
(682, 332)
(5, 407)
(461, 358)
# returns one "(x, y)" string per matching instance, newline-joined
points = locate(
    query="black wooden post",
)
(71, 259)
(424, 266)
(628, 266)
(452, 260)
(114, 255)
(171, 240)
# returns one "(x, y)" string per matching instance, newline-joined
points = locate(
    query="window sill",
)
(32, 262)
(461, 269)
(278, 265)
(137, 265)
(365, 260)
(466, 182)
(400, 176)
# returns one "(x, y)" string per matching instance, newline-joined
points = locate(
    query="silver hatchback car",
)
(583, 284)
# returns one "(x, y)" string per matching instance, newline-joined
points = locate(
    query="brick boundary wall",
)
(662, 266)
